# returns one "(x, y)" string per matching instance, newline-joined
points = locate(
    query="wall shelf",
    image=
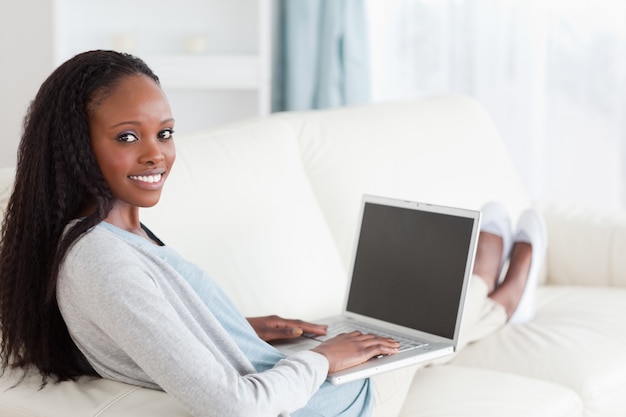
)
(213, 57)
(206, 72)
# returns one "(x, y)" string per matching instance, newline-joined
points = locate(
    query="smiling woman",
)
(106, 297)
(55, 158)
(87, 289)
(132, 140)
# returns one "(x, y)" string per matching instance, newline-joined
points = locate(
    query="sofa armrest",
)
(586, 246)
(6, 187)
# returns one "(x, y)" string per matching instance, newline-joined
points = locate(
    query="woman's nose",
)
(152, 152)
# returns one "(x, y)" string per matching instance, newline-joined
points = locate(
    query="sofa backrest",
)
(268, 206)
(238, 203)
(443, 150)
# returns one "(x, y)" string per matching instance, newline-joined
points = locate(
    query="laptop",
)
(412, 264)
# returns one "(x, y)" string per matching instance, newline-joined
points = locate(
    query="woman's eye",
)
(127, 137)
(166, 134)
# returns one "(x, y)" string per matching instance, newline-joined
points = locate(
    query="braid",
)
(56, 176)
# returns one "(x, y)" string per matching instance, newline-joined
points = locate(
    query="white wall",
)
(26, 59)
(32, 45)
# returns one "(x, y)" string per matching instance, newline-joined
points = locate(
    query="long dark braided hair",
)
(57, 176)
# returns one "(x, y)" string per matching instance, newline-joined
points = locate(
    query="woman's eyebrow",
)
(136, 123)
(129, 122)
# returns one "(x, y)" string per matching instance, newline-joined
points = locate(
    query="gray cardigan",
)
(137, 321)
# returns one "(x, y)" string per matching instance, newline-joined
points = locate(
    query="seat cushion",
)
(452, 391)
(90, 397)
(576, 340)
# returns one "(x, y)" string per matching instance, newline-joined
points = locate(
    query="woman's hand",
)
(274, 327)
(350, 349)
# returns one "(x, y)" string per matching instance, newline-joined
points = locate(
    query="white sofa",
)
(268, 207)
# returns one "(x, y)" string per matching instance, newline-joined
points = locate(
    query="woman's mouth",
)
(148, 179)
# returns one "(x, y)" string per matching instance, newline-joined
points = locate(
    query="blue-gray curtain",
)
(322, 56)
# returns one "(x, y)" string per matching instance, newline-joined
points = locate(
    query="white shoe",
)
(530, 229)
(495, 220)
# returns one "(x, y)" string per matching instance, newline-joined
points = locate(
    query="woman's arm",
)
(274, 327)
(342, 352)
(139, 329)
(136, 323)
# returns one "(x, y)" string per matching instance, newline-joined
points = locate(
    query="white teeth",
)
(147, 178)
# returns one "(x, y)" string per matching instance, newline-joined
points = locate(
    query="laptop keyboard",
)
(341, 327)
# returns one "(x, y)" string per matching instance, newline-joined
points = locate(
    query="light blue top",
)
(89, 329)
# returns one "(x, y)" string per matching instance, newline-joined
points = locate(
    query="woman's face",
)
(131, 138)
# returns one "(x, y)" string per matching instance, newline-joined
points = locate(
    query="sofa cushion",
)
(90, 397)
(577, 340)
(441, 150)
(450, 391)
(239, 205)
(587, 246)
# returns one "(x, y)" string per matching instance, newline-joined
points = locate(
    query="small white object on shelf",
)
(195, 43)
(203, 72)
(124, 43)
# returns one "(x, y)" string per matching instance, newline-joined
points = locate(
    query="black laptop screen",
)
(409, 267)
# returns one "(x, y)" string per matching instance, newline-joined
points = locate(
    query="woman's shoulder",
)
(100, 250)
(99, 242)
(100, 258)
